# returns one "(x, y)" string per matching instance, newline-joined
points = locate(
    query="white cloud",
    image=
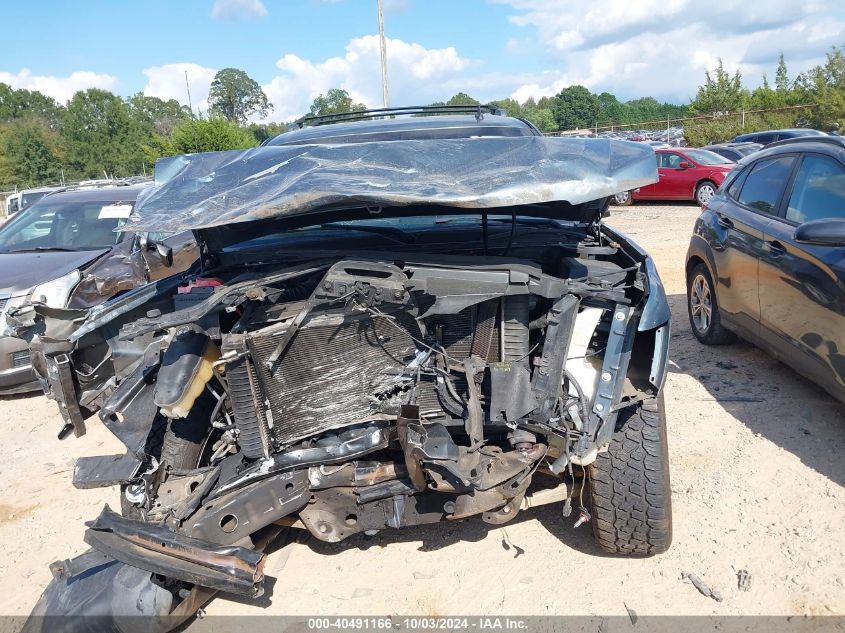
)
(649, 47)
(416, 75)
(168, 82)
(238, 9)
(663, 47)
(60, 88)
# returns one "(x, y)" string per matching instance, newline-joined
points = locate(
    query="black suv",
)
(394, 322)
(767, 258)
(770, 136)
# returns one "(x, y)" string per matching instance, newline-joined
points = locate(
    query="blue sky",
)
(488, 48)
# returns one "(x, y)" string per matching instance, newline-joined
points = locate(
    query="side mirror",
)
(825, 232)
(684, 164)
(165, 253)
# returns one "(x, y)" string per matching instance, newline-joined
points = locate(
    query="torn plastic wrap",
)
(217, 188)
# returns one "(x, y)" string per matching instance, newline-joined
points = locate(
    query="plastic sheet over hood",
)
(206, 190)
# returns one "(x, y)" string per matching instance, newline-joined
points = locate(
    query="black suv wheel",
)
(629, 484)
(703, 310)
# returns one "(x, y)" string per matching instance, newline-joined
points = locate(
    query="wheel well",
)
(703, 180)
(694, 261)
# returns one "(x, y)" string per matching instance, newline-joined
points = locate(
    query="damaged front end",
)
(348, 393)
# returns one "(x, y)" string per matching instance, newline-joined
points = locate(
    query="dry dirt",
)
(757, 479)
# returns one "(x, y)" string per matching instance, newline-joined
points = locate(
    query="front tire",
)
(629, 484)
(703, 309)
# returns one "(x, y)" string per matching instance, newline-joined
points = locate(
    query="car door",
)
(802, 286)
(672, 183)
(742, 216)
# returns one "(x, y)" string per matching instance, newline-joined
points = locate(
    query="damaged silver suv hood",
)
(207, 190)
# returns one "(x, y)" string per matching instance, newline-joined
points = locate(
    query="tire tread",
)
(630, 488)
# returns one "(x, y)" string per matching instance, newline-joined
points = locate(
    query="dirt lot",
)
(757, 478)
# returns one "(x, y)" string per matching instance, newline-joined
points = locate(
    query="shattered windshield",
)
(71, 226)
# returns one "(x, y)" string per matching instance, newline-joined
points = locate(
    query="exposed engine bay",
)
(351, 369)
(352, 395)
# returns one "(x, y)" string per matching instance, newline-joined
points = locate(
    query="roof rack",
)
(479, 110)
(832, 140)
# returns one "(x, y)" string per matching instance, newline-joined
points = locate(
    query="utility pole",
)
(191, 108)
(188, 88)
(384, 91)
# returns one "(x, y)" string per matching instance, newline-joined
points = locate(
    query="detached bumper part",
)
(103, 471)
(155, 548)
(94, 593)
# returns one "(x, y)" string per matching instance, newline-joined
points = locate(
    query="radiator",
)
(339, 370)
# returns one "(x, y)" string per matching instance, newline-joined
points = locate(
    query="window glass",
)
(77, 226)
(736, 183)
(669, 160)
(818, 192)
(765, 181)
(705, 157)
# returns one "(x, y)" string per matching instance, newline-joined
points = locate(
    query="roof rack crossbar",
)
(479, 110)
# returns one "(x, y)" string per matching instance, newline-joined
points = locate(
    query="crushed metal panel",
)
(219, 188)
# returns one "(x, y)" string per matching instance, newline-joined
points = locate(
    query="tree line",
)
(97, 133)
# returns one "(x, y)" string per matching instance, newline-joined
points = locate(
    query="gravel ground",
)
(757, 478)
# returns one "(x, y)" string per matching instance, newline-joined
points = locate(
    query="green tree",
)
(16, 104)
(154, 115)
(201, 135)
(510, 106)
(100, 135)
(781, 76)
(461, 98)
(543, 118)
(32, 153)
(335, 101)
(721, 92)
(825, 85)
(575, 107)
(235, 96)
(610, 109)
(262, 131)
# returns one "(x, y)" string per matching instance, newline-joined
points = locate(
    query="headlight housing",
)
(55, 293)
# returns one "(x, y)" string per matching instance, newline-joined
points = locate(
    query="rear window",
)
(764, 184)
(706, 157)
(29, 199)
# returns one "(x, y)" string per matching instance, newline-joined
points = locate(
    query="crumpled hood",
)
(217, 188)
(20, 272)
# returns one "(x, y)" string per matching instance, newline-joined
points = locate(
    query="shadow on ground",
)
(764, 394)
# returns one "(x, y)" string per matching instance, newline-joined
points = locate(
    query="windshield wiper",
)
(386, 231)
(41, 249)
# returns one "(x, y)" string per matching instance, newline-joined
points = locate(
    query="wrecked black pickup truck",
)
(393, 322)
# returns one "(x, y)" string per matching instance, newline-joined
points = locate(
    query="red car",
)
(685, 174)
